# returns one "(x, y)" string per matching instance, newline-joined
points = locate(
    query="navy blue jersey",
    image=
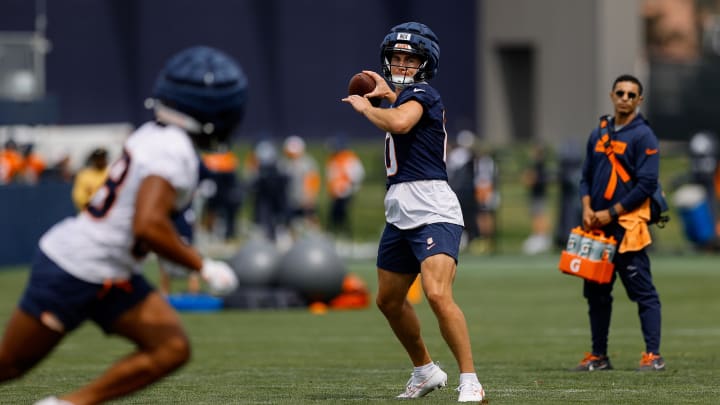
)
(419, 154)
(636, 148)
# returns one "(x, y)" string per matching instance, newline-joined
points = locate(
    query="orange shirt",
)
(344, 173)
(11, 163)
(221, 162)
(33, 165)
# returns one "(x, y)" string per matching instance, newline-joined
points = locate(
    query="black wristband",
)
(613, 213)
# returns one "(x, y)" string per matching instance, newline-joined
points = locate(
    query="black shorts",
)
(71, 300)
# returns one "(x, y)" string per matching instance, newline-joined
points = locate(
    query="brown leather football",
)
(361, 84)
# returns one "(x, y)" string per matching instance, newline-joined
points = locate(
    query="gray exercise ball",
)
(256, 263)
(313, 268)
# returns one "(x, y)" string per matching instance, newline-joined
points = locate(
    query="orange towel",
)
(637, 233)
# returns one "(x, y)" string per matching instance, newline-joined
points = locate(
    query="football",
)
(362, 84)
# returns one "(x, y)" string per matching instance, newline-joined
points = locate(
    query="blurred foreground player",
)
(423, 217)
(88, 266)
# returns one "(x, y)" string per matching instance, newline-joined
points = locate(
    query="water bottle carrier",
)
(593, 261)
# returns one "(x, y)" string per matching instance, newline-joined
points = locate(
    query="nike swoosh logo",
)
(416, 90)
(651, 151)
(430, 247)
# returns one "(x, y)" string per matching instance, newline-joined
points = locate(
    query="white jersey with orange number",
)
(98, 243)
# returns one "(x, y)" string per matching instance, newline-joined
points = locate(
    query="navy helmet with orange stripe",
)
(415, 38)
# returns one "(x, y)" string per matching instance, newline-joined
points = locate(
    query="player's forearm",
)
(160, 237)
(384, 119)
(398, 120)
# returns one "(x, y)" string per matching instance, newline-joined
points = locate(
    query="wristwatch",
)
(613, 213)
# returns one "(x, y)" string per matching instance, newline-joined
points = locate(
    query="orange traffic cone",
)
(415, 292)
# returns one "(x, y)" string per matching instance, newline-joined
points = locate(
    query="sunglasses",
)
(630, 94)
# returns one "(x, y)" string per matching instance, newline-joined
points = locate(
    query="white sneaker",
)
(417, 389)
(52, 401)
(470, 392)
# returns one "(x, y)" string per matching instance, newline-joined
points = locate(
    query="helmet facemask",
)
(405, 79)
(204, 135)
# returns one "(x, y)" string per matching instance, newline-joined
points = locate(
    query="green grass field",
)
(527, 320)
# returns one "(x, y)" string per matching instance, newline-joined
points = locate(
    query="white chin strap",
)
(402, 81)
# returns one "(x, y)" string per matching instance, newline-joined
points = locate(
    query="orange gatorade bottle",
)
(610, 248)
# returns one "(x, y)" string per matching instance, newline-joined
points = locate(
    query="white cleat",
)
(470, 392)
(417, 389)
(52, 401)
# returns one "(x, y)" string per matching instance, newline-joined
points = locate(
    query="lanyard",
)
(617, 168)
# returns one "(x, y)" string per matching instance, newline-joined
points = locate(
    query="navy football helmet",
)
(204, 91)
(415, 38)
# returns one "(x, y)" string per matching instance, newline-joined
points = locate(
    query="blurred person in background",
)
(461, 163)
(704, 148)
(224, 192)
(90, 178)
(569, 212)
(268, 186)
(11, 162)
(537, 179)
(303, 186)
(487, 197)
(717, 201)
(89, 267)
(344, 173)
(473, 177)
(59, 168)
(33, 164)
